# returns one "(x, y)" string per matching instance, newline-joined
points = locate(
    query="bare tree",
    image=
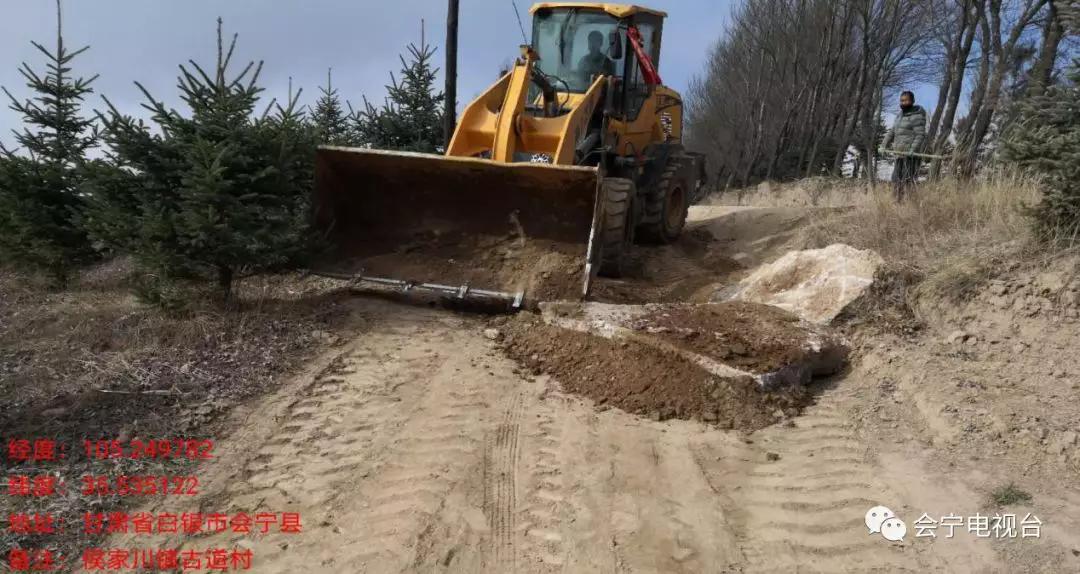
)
(1004, 24)
(790, 86)
(793, 85)
(1042, 70)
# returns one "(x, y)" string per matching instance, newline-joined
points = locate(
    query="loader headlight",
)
(540, 158)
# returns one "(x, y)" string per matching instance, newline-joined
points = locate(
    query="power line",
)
(521, 26)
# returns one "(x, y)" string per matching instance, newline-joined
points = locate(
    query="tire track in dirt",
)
(336, 434)
(405, 492)
(664, 515)
(804, 511)
(500, 485)
(380, 453)
(544, 507)
(610, 492)
(326, 435)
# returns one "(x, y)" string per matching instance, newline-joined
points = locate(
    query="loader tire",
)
(616, 231)
(666, 207)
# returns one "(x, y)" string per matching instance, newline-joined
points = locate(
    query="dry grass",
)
(952, 235)
(97, 336)
(92, 362)
(810, 192)
(1009, 494)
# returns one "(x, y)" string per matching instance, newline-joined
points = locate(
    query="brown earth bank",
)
(983, 394)
(643, 380)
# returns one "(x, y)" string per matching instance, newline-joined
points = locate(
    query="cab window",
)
(575, 46)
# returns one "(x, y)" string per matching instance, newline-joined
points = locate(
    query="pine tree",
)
(110, 215)
(220, 189)
(41, 191)
(411, 116)
(330, 119)
(1045, 138)
(372, 126)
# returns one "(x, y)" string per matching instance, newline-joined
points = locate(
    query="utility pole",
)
(450, 93)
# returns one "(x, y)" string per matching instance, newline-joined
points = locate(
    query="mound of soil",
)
(749, 336)
(644, 380)
(543, 269)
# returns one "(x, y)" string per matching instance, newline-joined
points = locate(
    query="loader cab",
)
(561, 38)
(564, 38)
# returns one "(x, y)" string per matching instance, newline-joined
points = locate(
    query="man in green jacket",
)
(906, 137)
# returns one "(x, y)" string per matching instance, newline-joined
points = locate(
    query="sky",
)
(145, 40)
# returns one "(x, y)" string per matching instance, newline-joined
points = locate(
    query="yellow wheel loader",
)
(552, 174)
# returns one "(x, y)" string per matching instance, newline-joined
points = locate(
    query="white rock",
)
(816, 284)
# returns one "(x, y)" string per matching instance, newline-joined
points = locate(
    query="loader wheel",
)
(666, 208)
(616, 232)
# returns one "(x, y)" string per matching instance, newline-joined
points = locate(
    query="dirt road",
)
(419, 447)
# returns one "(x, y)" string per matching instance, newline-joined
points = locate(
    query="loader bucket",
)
(467, 223)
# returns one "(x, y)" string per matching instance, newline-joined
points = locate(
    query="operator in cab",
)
(596, 62)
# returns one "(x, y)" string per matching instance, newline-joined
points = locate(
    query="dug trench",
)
(443, 442)
(643, 380)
